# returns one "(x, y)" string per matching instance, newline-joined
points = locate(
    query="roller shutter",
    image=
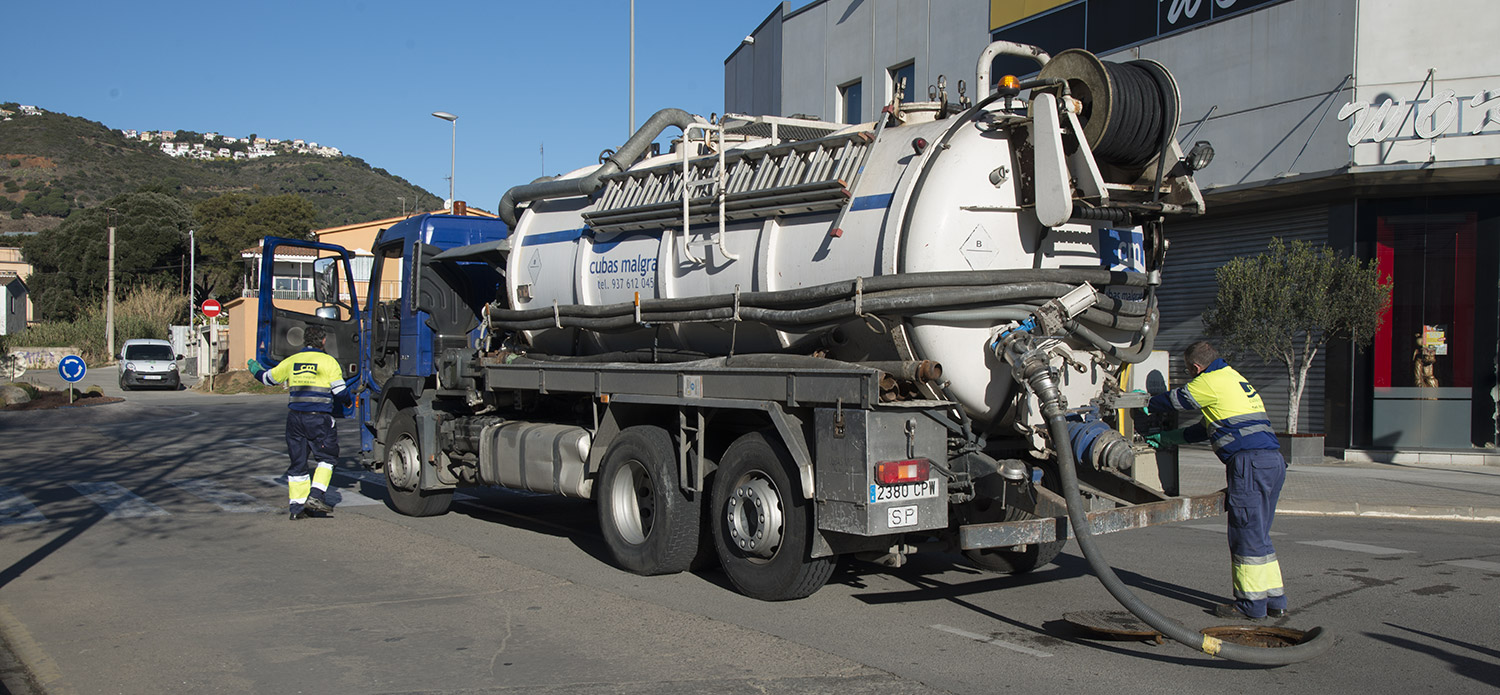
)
(1198, 248)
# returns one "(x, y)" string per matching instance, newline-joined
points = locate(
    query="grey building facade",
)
(1371, 126)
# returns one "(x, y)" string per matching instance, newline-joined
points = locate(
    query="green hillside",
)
(53, 164)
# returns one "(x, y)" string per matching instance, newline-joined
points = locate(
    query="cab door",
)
(302, 284)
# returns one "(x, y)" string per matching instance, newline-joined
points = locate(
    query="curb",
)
(1390, 511)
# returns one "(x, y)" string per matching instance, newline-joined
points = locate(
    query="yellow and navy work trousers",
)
(309, 435)
(1255, 477)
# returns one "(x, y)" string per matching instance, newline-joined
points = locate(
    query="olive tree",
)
(1287, 303)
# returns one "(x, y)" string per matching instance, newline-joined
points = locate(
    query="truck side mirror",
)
(326, 280)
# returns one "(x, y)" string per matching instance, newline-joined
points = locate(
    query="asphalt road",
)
(145, 549)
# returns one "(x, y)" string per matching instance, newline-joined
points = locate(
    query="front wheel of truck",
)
(403, 470)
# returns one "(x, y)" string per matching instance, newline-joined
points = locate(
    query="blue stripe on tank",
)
(870, 202)
(553, 237)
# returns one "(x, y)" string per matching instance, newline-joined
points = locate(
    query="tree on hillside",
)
(229, 224)
(70, 261)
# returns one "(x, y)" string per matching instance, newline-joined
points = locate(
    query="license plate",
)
(150, 376)
(903, 491)
(903, 516)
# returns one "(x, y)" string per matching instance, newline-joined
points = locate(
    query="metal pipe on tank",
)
(1008, 48)
(622, 158)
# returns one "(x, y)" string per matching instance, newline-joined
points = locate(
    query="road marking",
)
(346, 498)
(225, 499)
(991, 640)
(16, 509)
(1476, 565)
(117, 501)
(1218, 528)
(1356, 547)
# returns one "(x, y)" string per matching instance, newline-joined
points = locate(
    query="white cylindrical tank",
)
(837, 204)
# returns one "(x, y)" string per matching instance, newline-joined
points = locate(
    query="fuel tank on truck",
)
(754, 205)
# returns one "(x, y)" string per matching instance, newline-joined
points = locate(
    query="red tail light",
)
(909, 471)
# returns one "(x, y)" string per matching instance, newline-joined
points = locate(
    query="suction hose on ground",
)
(1043, 382)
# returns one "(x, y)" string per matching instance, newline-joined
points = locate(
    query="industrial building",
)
(1373, 127)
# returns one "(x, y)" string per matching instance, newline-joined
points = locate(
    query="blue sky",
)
(365, 75)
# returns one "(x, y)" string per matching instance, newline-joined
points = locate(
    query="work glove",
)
(255, 368)
(1168, 438)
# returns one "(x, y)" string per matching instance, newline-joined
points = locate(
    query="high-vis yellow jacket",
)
(1234, 418)
(313, 377)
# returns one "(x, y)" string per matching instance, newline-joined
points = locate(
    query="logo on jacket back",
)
(304, 368)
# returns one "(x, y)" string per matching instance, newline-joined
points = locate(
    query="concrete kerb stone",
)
(1388, 511)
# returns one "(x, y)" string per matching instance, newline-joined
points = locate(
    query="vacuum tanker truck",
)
(784, 340)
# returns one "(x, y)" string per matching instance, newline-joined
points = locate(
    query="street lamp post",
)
(452, 161)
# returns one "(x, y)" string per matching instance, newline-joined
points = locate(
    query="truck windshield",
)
(148, 352)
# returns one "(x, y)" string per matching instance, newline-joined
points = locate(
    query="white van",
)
(145, 362)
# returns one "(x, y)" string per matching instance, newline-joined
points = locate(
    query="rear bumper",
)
(1011, 533)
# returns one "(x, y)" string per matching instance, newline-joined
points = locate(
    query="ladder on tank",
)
(786, 179)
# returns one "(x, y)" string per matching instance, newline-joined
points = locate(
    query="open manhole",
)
(1256, 635)
(1114, 625)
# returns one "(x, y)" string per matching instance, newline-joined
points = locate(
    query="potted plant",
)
(1285, 305)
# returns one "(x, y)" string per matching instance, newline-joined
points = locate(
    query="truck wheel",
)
(649, 523)
(1014, 561)
(1006, 561)
(403, 471)
(762, 526)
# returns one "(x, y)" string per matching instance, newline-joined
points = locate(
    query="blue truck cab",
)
(387, 339)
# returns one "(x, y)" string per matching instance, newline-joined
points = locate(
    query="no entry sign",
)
(211, 308)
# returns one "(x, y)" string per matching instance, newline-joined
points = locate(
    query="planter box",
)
(1301, 448)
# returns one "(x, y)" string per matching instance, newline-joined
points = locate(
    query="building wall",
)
(828, 44)
(1414, 56)
(1273, 79)
(14, 300)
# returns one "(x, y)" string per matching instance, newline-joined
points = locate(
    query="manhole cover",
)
(1256, 636)
(1116, 624)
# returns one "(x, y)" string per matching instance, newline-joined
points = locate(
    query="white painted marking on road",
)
(1217, 528)
(228, 500)
(16, 509)
(1476, 565)
(347, 498)
(117, 501)
(991, 640)
(1356, 547)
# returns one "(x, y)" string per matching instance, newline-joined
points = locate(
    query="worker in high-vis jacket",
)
(1234, 420)
(317, 387)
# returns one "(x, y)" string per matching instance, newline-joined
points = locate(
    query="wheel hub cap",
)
(755, 518)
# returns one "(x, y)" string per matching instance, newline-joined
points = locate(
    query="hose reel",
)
(1130, 110)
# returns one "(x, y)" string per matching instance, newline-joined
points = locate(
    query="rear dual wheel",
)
(762, 525)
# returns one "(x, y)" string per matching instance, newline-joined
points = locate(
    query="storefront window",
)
(1433, 364)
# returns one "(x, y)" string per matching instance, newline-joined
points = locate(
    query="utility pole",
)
(630, 128)
(109, 303)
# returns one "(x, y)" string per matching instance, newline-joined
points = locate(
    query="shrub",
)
(145, 313)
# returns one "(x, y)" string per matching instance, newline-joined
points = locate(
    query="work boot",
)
(1276, 612)
(1231, 611)
(298, 515)
(315, 504)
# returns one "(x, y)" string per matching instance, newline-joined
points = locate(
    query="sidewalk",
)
(1465, 492)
